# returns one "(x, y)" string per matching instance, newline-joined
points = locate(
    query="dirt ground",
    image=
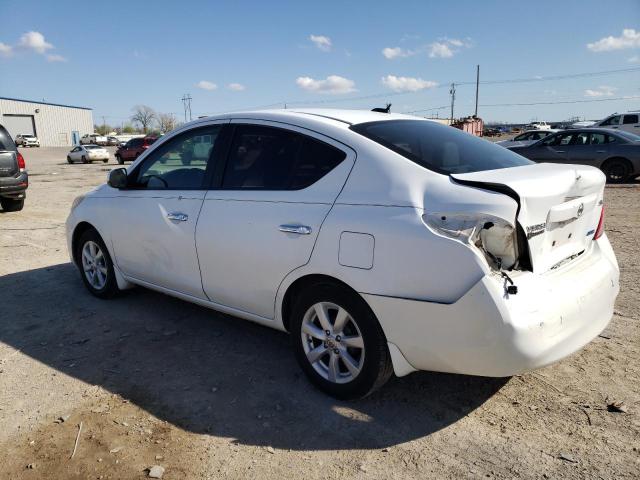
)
(157, 381)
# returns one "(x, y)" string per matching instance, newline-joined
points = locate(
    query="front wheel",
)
(119, 159)
(84, 159)
(69, 159)
(95, 265)
(105, 161)
(338, 342)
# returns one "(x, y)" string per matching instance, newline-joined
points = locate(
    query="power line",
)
(558, 102)
(464, 83)
(631, 97)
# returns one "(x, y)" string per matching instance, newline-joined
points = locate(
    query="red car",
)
(133, 148)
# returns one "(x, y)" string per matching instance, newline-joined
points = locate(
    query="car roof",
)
(345, 117)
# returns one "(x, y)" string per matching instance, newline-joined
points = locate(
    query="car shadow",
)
(211, 373)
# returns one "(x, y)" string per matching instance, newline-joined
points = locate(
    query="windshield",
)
(438, 147)
(92, 147)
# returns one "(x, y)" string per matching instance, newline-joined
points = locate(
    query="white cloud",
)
(332, 85)
(440, 50)
(601, 91)
(407, 84)
(5, 50)
(34, 41)
(205, 85)
(629, 39)
(396, 52)
(322, 42)
(236, 87)
(56, 58)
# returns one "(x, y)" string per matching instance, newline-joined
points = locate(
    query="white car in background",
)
(382, 242)
(24, 140)
(526, 138)
(629, 122)
(538, 126)
(88, 154)
(93, 139)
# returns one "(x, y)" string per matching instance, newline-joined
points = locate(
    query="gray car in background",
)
(616, 153)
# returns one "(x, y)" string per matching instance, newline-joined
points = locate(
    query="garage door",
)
(16, 124)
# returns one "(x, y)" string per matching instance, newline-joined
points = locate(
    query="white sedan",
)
(381, 242)
(88, 154)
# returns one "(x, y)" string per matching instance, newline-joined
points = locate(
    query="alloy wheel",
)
(94, 265)
(332, 342)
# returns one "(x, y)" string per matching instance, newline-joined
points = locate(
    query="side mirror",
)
(118, 178)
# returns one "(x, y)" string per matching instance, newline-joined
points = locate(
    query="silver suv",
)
(24, 140)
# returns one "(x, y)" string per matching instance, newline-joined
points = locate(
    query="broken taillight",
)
(600, 229)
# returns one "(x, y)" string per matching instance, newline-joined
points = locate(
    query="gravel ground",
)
(157, 381)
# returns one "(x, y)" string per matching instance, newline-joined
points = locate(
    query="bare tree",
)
(144, 116)
(167, 122)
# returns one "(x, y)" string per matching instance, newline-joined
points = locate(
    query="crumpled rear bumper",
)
(492, 334)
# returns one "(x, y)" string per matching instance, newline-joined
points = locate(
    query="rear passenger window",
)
(267, 158)
(628, 119)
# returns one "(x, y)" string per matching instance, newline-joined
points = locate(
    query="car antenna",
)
(386, 109)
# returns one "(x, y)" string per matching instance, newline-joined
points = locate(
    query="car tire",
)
(343, 370)
(105, 161)
(11, 204)
(69, 159)
(95, 265)
(617, 170)
(84, 159)
(119, 159)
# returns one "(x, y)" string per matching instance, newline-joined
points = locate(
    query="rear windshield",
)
(438, 147)
(91, 147)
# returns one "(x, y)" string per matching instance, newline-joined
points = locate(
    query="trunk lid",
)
(559, 206)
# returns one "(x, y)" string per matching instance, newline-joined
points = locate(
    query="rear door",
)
(262, 219)
(154, 220)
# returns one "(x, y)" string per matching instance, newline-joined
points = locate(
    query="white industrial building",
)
(55, 125)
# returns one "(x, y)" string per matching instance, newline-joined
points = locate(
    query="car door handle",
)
(299, 229)
(601, 151)
(180, 217)
(559, 151)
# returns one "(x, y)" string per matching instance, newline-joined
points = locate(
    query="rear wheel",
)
(95, 265)
(617, 170)
(338, 342)
(11, 204)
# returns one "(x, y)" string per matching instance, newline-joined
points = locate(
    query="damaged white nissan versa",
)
(383, 243)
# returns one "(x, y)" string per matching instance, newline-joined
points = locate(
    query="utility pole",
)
(477, 86)
(104, 126)
(452, 92)
(186, 103)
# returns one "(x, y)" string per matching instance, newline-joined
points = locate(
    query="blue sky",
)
(112, 56)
